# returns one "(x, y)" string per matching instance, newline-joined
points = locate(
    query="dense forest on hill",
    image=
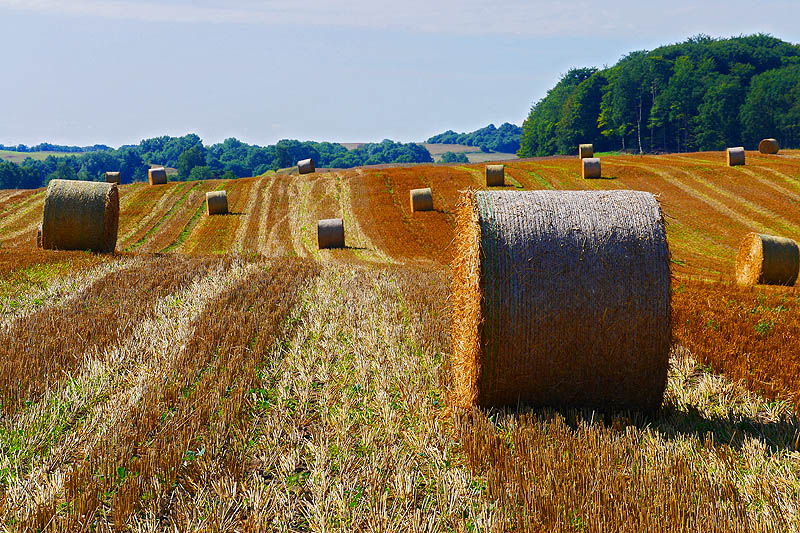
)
(229, 159)
(702, 94)
(489, 139)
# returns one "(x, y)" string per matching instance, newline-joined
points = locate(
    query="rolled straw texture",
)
(112, 177)
(769, 146)
(157, 176)
(735, 156)
(768, 260)
(80, 215)
(585, 150)
(330, 233)
(421, 199)
(495, 175)
(306, 166)
(590, 168)
(560, 298)
(217, 203)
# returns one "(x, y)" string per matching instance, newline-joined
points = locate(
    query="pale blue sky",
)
(108, 71)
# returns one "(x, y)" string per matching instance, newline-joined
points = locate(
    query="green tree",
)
(189, 159)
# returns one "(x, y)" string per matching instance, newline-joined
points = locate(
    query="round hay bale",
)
(330, 233)
(769, 146)
(157, 176)
(590, 168)
(217, 203)
(39, 237)
(735, 156)
(113, 177)
(560, 298)
(585, 150)
(80, 215)
(767, 259)
(306, 166)
(495, 175)
(421, 199)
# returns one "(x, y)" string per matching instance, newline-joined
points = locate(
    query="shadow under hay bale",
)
(495, 175)
(113, 177)
(768, 260)
(330, 233)
(80, 215)
(157, 176)
(735, 156)
(306, 166)
(590, 168)
(769, 146)
(217, 203)
(421, 199)
(560, 298)
(585, 151)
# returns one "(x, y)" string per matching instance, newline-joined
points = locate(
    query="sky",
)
(81, 72)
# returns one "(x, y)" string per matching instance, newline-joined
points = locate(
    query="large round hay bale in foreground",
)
(585, 150)
(330, 233)
(735, 156)
(421, 199)
(768, 260)
(306, 166)
(217, 203)
(157, 176)
(495, 175)
(560, 298)
(113, 177)
(590, 168)
(80, 215)
(769, 146)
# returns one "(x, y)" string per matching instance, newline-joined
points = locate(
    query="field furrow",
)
(155, 203)
(247, 231)
(274, 233)
(173, 231)
(215, 234)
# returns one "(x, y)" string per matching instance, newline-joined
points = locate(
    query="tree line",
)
(504, 139)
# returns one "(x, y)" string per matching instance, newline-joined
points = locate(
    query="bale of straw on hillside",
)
(306, 166)
(80, 215)
(157, 176)
(112, 177)
(39, 237)
(768, 260)
(421, 199)
(585, 150)
(330, 233)
(495, 175)
(590, 168)
(560, 298)
(217, 203)
(769, 146)
(735, 156)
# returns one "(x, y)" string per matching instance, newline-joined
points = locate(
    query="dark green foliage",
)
(489, 139)
(451, 157)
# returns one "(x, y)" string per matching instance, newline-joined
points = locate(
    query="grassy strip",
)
(539, 179)
(187, 230)
(163, 219)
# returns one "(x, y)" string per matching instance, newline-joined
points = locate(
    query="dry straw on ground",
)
(735, 156)
(560, 298)
(80, 215)
(767, 259)
(769, 146)
(112, 177)
(421, 199)
(585, 150)
(330, 233)
(217, 203)
(495, 175)
(306, 166)
(157, 176)
(590, 168)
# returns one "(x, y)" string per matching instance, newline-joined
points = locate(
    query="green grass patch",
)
(163, 219)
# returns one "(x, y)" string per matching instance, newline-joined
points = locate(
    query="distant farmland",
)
(473, 153)
(19, 157)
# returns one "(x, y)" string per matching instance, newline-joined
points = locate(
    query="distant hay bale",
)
(330, 233)
(306, 166)
(769, 146)
(39, 237)
(560, 298)
(585, 150)
(157, 176)
(767, 259)
(80, 215)
(421, 199)
(217, 203)
(735, 156)
(495, 175)
(113, 177)
(590, 168)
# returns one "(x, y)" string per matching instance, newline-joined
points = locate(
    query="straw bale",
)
(217, 203)
(590, 168)
(585, 150)
(495, 175)
(560, 298)
(80, 215)
(769, 146)
(421, 199)
(735, 156)
(768, 260)
(306, 166)
(157, 176)
(113, 177)
(330, 233)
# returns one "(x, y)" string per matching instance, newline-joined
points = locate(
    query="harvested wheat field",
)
(224, 373)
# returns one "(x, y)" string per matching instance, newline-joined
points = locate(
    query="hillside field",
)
(222, 373)
(19, 157)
